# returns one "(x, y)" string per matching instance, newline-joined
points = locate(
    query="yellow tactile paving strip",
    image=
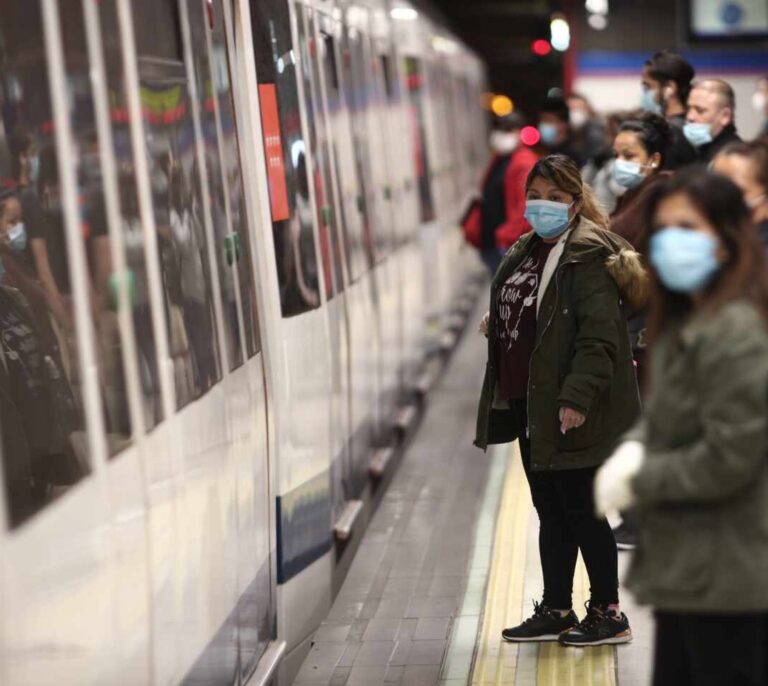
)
(495, 660)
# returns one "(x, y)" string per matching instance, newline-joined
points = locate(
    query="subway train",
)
(229, 263)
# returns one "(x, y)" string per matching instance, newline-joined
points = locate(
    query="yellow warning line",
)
(496, 660)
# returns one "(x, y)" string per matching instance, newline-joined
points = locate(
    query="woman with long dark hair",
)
(696, 467)
(560, 379)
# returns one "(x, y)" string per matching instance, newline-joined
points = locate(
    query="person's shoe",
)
(544, 625)
(601, 626)
(626, 538)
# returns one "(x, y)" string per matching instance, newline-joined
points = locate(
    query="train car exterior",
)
(241, 251)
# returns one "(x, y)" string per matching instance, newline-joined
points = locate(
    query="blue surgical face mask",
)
(17, 237)
(548, 133)
(549, 219)
(627, 173)
(648, 101)
(685, 260)
(698, 134)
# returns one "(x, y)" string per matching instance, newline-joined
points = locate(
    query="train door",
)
(74, 556)
(362, 351)
(331, 249)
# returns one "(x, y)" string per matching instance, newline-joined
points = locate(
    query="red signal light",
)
(541, 47)
(530, 135)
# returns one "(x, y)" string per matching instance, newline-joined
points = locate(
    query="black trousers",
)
(711, 650)
(565, 504)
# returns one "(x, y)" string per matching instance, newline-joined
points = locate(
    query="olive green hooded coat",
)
(582, 357)
(702, 492)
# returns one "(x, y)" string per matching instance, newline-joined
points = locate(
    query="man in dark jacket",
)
(710, 119)
(666, 84)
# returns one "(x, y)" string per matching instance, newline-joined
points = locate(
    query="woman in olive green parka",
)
(560, 378)
(696, 467)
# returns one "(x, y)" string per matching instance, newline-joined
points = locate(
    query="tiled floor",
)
(411, 608)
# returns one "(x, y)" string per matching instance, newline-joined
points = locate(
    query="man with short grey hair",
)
(710, 118)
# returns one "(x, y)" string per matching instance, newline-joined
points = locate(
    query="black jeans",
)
(565, 504)
(711, 650)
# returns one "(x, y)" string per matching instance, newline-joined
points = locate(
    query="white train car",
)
(240, 252)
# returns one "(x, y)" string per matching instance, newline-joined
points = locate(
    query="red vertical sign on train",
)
(273, 149)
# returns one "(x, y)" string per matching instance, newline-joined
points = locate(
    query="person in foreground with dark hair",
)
(560, 380)
(695, 466)
(666, 83)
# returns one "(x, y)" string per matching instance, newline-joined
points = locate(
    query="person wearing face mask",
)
(746, 164)
(560, 380)
(709, 125)
(695, 466)
(666, 84)
(25, 167)
(640, 147)
(760, 103)
(495, 220)
(589, 132)
(556, 133)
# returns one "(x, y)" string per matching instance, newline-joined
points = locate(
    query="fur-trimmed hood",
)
(624, 264)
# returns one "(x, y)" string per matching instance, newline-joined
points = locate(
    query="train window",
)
(285, 152)
(314, 57)
(241, 247)
(416, 114)
(44, 446)
(225, 243)
(177, 204)
(356, 91)
(130, 222)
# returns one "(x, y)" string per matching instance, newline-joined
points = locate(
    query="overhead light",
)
(597, 6)
(501, 105)
(541, 47)
(530, 135)
(561, 33)
(403, 13)
(597, 21)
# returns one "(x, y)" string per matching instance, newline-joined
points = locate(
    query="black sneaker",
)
(544, 625)
(600, 627)
(626, 537)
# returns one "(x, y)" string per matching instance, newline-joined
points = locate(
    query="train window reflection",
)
(44, 447)
(233, 182)
(130, 225)
(285, 151)
(226, 248)
(416, 114)
(177, 203)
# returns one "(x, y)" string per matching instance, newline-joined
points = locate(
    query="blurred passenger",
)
(495, 220)
(555, 130)
(560, 380)
(760, 103)
(666, 84)
(25, 167)
(588, 129)
(746, 164)
(696, 466)
(640, 147)
(599, 171)
(709, 123)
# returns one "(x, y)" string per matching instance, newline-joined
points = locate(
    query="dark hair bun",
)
(660, 127)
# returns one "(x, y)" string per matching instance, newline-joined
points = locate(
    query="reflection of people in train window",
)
(49, 248)
(302, 239)
(133, 241)
(38, 409)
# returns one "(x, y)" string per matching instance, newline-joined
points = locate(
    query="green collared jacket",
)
(582, 357)
(702, 491)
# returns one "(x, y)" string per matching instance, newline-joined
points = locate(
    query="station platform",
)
(450, 559)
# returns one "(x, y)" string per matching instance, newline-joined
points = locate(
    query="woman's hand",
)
(613, 483)
(483, 328)
(570, 419)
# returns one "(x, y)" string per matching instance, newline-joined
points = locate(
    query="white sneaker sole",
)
(624, 637)
(534, 639)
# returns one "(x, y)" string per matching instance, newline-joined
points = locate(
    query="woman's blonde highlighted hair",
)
(563, 172)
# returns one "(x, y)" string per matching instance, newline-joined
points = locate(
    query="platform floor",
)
(449, 559)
